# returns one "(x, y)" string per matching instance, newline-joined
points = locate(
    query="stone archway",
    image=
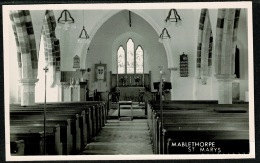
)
(204, 47)
(26, 54)
(146, 17)
(226, 36)
(51, 46)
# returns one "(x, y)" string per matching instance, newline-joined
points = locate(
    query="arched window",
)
(130, 57)
(121, 60)
(131, 61)
(139, 60)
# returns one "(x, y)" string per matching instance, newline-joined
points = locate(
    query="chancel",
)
(131, 81)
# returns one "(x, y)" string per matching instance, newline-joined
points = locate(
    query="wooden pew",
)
(98, 112)
(98, 116)
(17, 148)
(33, 138)
(211, 129)
(175, 117)
(63, 125)
(83, 126)
(77, 136)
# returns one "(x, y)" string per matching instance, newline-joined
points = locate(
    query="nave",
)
(87, 128)
(121, 138)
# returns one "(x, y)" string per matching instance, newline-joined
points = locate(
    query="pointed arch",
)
(204, 47)
(146, 17)
(25, 42)
(226, 37)
(51, 45)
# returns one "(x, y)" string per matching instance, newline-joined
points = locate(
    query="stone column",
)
(27, 91)
(225, 54)
(225, 88)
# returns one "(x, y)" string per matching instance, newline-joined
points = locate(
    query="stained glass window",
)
(130, 57)
(139, 60)
(121, 60)
(130, 61)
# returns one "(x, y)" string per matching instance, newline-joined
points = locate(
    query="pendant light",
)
(84, 37)
(173, 16)
(66, 20)
(164, 35)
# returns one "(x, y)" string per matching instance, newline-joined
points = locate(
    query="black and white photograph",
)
(109, 81)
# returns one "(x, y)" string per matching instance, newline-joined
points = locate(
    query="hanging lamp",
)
(164, 35)
(173, 16)
(83, 37)
(66, 20)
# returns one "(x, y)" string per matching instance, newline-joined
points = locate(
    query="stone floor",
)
(121, 138)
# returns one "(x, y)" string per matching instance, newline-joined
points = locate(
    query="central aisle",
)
(121, 138)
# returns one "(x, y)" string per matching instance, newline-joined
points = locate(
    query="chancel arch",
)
(146, 17)
(141, 32)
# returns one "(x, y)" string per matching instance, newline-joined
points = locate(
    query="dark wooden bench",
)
(32, 135)
(222, 126)
(97, 112)
(55, 115)
(70, 123)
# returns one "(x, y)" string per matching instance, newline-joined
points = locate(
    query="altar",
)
(131, 86)
(130, 93)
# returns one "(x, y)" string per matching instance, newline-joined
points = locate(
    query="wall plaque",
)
(101, 70)
(76, 62)
(184, 68)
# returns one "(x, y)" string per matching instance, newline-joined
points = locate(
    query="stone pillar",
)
(225, 89)
(27, 91)
(224, 51)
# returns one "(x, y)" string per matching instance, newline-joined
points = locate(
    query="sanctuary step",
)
(121, 138)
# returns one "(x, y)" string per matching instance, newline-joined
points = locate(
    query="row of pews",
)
(69, 127)
(199, 127)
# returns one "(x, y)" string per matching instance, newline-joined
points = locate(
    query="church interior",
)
(128, 81)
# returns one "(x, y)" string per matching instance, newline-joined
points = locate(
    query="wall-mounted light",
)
(83, 37)
(66, 19)
(173, 16)
(164, 35)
